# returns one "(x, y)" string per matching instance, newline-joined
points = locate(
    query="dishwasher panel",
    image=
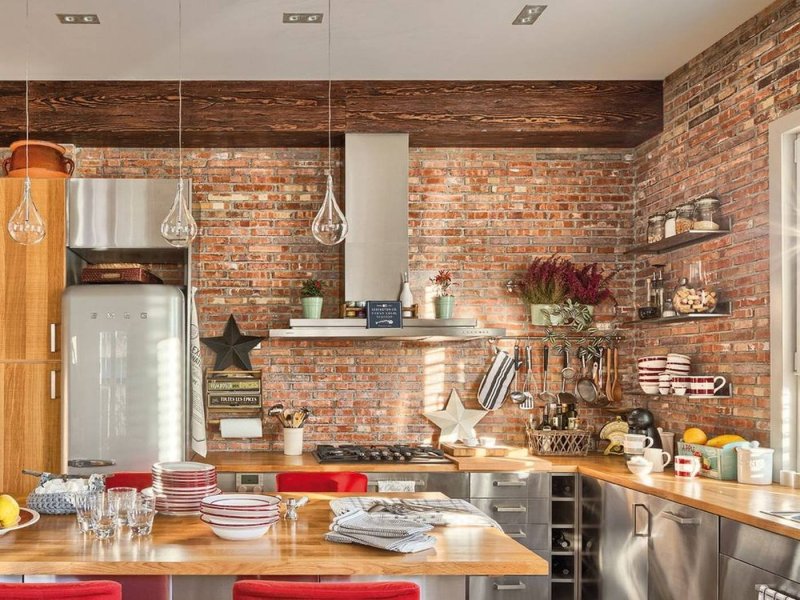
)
(738, 580)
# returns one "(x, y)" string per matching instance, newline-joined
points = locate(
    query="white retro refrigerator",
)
(124, 369)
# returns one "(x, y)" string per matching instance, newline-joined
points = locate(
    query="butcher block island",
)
(187, 546)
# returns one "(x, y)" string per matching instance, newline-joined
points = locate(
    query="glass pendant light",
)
(26, 225)
(330, 225)
(179, 227)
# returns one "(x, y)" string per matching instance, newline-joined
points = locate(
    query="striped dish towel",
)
(447, 512)
(494, 386)
(767, 593)
(399, 535)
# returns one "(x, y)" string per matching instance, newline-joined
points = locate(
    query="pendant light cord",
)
(27, 92)
(180, 91)
(330, 88)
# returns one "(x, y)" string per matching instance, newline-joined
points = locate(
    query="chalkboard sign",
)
(384, 314)
(233, 390)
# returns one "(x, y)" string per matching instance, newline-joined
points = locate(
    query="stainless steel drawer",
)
(509, 588)
(764, 549)
(738, 580)
(515, 510)
(509, 485)
(535, 536)
(453, 485)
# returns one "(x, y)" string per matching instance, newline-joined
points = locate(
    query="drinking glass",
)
(123, 498)
(141, 514)
(104, 517)
(84, 503)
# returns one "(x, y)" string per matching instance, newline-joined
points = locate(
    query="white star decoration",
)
(455, 421)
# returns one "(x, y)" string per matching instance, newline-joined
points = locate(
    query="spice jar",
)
(655, 229)
(669, 223)
(684, 219)
(707, 216)
(693, 294)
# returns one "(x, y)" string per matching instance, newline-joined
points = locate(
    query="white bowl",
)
(227, 532)
(651, 390)
(242, 501)
(640, 469)
(679, 357)
(238, 521)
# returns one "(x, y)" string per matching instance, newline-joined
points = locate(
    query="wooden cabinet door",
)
(32, 277)
(30, 423)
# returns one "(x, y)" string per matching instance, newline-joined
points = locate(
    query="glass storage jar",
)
(669, 223)
(693, 294)
(707, 216)
(684, 218)
(655, 229)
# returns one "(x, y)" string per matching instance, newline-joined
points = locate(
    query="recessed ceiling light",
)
(529, 14)
(79, 19)
(302, 18)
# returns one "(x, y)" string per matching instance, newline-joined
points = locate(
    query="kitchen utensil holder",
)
(293, 441)
(573, 442)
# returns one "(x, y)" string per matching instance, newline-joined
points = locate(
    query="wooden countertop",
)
(737, 501)
(186, 546)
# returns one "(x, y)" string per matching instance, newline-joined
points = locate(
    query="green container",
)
(538, 317)
(715, 463)
(444, 307)
(312, 308)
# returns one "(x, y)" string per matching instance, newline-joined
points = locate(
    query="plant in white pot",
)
(543, 288)
(311, 297)
(445, 301)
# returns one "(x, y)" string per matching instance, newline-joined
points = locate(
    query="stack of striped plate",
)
(179, 487)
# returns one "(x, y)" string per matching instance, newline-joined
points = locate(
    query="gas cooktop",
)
(326, 453)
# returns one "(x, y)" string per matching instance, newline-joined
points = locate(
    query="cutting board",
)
(456, 449)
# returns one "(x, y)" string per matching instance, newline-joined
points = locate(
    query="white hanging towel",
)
(494, 386)
(196, 383)
(767, 593)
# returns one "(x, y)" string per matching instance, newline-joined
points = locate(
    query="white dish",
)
(238, 514)
(182, 467)
(239, 533)
(241, 501)
(640, 469)
(237, 522)
(27, 517)
(649, 389)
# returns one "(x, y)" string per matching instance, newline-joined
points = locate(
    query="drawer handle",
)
(681, 520)
(507, 587)
(516, 534)
(509, 483)
(52, 337)
(511, 509)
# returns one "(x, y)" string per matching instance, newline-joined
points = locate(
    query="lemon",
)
(9, 511)
(693, 435)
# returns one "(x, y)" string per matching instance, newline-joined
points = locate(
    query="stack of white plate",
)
(650, 367)
(179, 487)
(240, 516)
(678, 364)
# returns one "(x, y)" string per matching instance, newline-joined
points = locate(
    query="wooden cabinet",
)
(32, 277)
(30, 423)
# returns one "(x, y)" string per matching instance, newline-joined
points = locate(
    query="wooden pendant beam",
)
(295, 113)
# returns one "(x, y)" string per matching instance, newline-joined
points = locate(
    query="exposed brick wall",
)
(481, 213)
(717, 112)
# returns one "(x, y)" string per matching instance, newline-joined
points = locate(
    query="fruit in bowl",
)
(9, 511)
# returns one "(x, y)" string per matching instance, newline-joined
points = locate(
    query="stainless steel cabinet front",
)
(508, 588)
(509, 485)
(515, 510)
(453, 485)
(738, 581)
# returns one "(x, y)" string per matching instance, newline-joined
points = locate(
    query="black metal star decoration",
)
(232, 347)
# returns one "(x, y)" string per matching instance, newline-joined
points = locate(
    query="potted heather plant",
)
(588, 286)
(445, 301)
(544, 287)
(311, 298)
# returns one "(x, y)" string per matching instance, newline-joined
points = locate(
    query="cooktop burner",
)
(326, 453)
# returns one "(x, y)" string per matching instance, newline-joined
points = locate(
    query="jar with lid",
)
(669, 223)
(655, 229)
(693, 294)
(684, 218)
(707, 215)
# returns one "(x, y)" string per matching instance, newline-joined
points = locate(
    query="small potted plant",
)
(444, 298)
(311, 294)
(544, 287)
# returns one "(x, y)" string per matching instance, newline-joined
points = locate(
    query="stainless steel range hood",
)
(376, 249)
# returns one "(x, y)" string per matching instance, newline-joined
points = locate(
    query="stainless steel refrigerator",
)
(124, 369)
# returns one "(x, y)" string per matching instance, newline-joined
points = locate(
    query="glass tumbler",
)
(141, 515)
(84, 504)
(123, 498)
(104, 517)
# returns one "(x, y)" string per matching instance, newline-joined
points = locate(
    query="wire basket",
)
(572, 442)
(59, 503)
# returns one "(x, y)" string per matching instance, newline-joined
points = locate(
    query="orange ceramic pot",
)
(46, 160)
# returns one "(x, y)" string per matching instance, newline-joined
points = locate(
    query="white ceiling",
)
(372, 39)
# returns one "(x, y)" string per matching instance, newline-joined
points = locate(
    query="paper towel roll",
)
(240, 428)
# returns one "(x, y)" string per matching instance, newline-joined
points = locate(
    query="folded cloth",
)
(767, 593)
(440, 511)
(397, 535)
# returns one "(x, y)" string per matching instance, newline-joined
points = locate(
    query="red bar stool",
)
(85, 590)
(321, 482)
(281, 590)
(135, 479)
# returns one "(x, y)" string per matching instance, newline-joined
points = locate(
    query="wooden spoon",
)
(616, 385)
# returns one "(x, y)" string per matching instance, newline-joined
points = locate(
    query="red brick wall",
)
(481, 213)
(717, 111)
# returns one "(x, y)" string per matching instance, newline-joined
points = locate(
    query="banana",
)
(722, 440)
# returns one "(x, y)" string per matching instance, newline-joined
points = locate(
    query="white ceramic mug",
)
(687, 466)
(706, 385)
(680, 383)
(293, 441)
(636, 443)
(658, 458)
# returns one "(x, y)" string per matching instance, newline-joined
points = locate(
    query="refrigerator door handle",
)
(53, 384)
(641, 521)
(53, 346)
(86, 463)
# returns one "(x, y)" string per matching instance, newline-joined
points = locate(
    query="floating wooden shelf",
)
(687, 238)
(726, 391)
(723, 310)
